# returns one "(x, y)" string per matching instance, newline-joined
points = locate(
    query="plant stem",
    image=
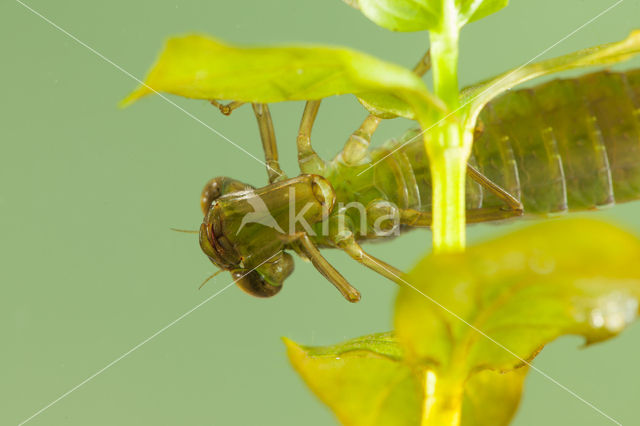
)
(443, 401)
(448, 172)
(444, 58)
(445, 144)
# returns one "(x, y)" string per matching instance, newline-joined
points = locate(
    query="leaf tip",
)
(634, 35)
(134, 96)
(295, 352)
(291, 345)
(353, 3)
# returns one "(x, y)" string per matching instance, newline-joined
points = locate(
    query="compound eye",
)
(212, 190)
(254, 284)
(217, 187)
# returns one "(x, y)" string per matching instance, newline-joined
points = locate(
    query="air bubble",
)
(614, 312)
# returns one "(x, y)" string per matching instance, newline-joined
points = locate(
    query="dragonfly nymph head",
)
(246, 230)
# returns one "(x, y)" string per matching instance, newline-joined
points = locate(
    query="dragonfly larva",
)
(571, 144)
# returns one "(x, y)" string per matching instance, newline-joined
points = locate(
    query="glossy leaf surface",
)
(500, 302)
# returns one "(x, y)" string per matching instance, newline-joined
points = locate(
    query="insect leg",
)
(228, 108)
(513, 205)
(353, 249)
(419, 219)
(423, 65)
(306, 246)
(356, 147)
(268, 136)
(308, 159)
(513, 208)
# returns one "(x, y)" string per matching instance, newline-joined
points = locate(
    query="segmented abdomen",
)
(571, 144)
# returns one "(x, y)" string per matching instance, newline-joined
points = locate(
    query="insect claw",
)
(225, 109)
(353, 297)
(228, 108)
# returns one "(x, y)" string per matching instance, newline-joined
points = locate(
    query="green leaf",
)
(400, 15)
(366, 382)
(492, 398)
(509, 297)
(420, 15)
(479, 95)
(384, 344)
(386, 106)
(483, 8)
(362, 381)
(199, 67)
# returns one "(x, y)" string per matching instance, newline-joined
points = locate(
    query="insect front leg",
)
(308, 160)
(310, 251)
(268, 137)
(353, 249)
(342, 236)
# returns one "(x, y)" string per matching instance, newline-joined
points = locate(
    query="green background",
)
(89, 267)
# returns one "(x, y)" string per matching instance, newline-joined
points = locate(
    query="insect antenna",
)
(209, 278)
(186, 231)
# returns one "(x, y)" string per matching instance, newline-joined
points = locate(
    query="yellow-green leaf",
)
(399, 15)
(509, 297)
(386, 106)
(366, 382)
(492, 398)
(199, 67)
(476, 10)
(360, 382)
